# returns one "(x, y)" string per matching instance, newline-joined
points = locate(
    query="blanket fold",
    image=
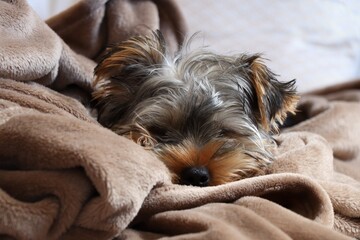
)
(66, 162)
(64, 176)
(61, 53)
(97, 24)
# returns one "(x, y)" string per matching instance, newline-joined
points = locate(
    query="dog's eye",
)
(226, 132)
(157, 131)
(166, 138)
(162, 136)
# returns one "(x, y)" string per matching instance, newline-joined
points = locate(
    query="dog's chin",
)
(211, 164)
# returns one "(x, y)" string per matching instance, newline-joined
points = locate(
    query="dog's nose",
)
(196, 176)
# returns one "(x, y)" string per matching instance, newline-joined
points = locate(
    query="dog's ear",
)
(122, 70)
(274, 99)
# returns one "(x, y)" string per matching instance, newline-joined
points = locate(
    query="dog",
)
(208, 117)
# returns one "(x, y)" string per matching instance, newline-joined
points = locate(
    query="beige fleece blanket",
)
(63, 176)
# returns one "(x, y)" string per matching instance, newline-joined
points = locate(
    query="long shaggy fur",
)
(195, 109)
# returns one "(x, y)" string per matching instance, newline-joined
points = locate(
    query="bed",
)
(64, 176)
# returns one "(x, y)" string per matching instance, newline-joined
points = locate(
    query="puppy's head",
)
(206, 116)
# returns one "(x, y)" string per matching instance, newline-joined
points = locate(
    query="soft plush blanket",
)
(63, 176)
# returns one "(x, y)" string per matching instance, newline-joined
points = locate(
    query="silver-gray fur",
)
(197, 96)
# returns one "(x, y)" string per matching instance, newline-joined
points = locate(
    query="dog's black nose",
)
(196, 176)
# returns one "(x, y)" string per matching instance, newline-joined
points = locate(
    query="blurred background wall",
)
(316, 42)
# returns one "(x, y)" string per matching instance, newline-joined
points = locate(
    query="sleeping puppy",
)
(208, 117)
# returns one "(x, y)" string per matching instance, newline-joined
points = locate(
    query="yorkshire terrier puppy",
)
(208, 117)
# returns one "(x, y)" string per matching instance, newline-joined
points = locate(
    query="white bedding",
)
(316, 42)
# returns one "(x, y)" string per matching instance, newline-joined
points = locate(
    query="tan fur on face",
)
(231, 166)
